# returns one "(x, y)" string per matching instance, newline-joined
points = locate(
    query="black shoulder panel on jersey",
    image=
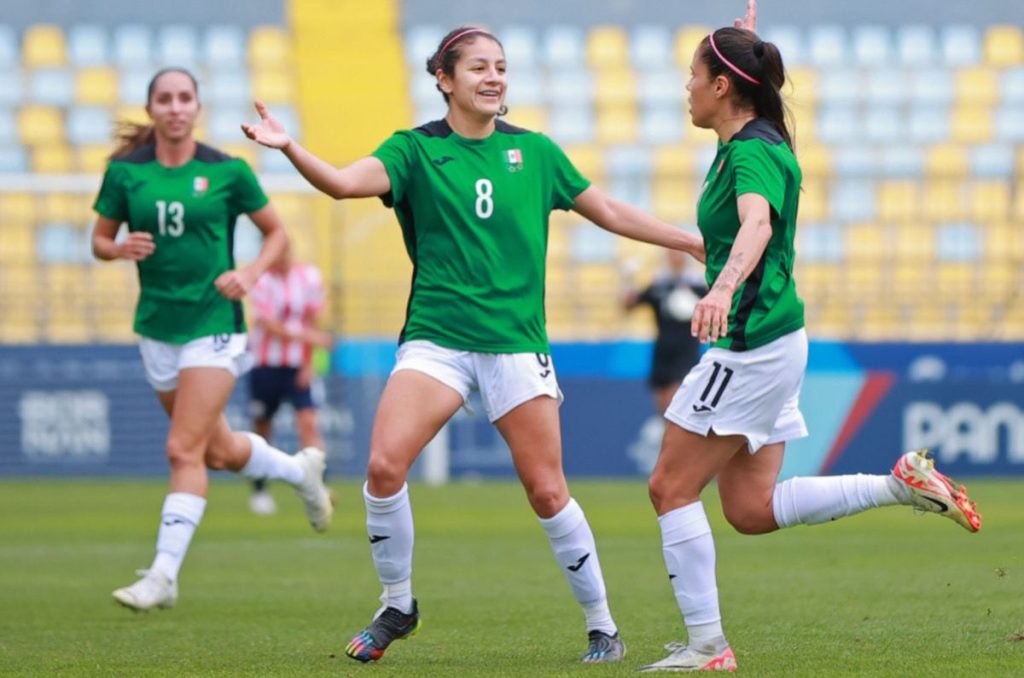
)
(139, 156)
(759, 128)
(506, 128)
(210, 154)
(435, 128)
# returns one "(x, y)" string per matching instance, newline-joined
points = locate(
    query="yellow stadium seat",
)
(533, 118)
(43, 46)
(977, 86)
(813, 201)
(943, 200)
(929, 320)
(19, 327)
(832, 322)
(687, 39)
(65, 208)
(955, 281)
(946, 160)
(1018, 202)
(866, 242)
(914, 243)
(863, 280)
(974, 322)
(815, 160)
(607, 47)
(674, 201)
(998, 280)
(673, 161)
(38, 125)
(802, 86)
(880, 322)
(616, 124)
(246, 150)
(93, 158)
(802, 128)
(909, 281)
(988, 201)
(53, 159)
(67, 324)
(269, 46)
(97, 86)
(588, 159)
(17, 209)
(816, 281)
(898, 200)
(132, 113)
(273, 86)
(1004, 45)
(615, 87)
(972, 123)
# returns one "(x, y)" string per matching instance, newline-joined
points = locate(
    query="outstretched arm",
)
(628, 221)
(365, 178)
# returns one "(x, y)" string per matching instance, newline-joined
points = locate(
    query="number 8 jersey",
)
(191, 212)
(474, 217)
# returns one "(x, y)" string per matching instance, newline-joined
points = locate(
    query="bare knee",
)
(668, 493)
(181, 455)
(384, 475)
(227, 452)
(749, 518)
(547, 498)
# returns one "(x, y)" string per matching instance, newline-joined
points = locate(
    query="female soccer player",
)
(473, 195)
(736, 409)
(180, 199)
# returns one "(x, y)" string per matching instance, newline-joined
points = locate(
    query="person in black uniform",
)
(672, 296)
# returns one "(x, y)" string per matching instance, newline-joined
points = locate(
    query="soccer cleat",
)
(390, 625)
(683, 659)
(262, 503)
(932, 491)
(602, 648)
(314, 494)
(153, 590)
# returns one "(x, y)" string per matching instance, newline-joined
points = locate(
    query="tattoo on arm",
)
(732, 275)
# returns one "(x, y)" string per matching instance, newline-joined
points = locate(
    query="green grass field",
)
(882, 594)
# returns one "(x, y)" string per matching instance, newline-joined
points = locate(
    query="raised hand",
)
(137, 246)
(268, 131)
(749, 22)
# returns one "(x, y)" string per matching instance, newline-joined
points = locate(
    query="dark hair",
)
(130, 135)
(755, 60)
(448, 52)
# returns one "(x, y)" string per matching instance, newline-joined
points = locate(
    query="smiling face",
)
(477, 86)
(173, 106)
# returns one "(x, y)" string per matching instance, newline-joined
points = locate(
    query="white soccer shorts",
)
(163, 361)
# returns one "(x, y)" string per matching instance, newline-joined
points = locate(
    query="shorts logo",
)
(221, 341)
(545, 363)
(727, 373)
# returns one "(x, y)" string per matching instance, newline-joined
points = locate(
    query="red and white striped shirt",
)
(293, 300)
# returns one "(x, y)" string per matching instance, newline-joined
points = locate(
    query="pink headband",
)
(440, 52)
(733, 67)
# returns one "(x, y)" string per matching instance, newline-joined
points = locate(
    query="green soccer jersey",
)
(756, 160)
(474, 216)
(191, 212)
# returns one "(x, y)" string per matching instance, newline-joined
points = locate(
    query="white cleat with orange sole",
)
(685, 659)
(934, 492)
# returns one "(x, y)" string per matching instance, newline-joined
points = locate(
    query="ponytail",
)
(129, 136)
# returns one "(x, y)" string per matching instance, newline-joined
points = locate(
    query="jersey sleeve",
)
(567, 180)
(757, 172)
(112, 201)
(248, 194)
(397, 153)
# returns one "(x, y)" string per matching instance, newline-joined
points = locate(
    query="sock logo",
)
(374, 538)
(174, 521)
(579, 563)
(671, 577)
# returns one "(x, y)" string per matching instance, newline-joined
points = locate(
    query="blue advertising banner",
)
(87, 410)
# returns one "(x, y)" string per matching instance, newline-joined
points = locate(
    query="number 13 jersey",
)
(191, 212)
(474, 217)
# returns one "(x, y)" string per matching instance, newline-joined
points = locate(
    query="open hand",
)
(711, 316)
(268, 131)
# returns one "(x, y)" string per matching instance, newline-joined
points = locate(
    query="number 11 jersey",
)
(474, 217)
(191, 212)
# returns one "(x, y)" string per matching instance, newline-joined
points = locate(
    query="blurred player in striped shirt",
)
(286, 303)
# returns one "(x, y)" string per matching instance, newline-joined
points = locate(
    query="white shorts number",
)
(170, 212)
(484, 198)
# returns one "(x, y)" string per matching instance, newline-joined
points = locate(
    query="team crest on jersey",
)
(199, 186)
(514, 157)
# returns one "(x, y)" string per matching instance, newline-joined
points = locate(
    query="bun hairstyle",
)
(130, 135)
(755, 69)
(449, 50)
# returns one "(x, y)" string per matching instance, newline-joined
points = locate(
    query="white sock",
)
(390, 528)
(271, 463)
(575, 550)
(689, 552)
(178, 521)
(814, 500)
